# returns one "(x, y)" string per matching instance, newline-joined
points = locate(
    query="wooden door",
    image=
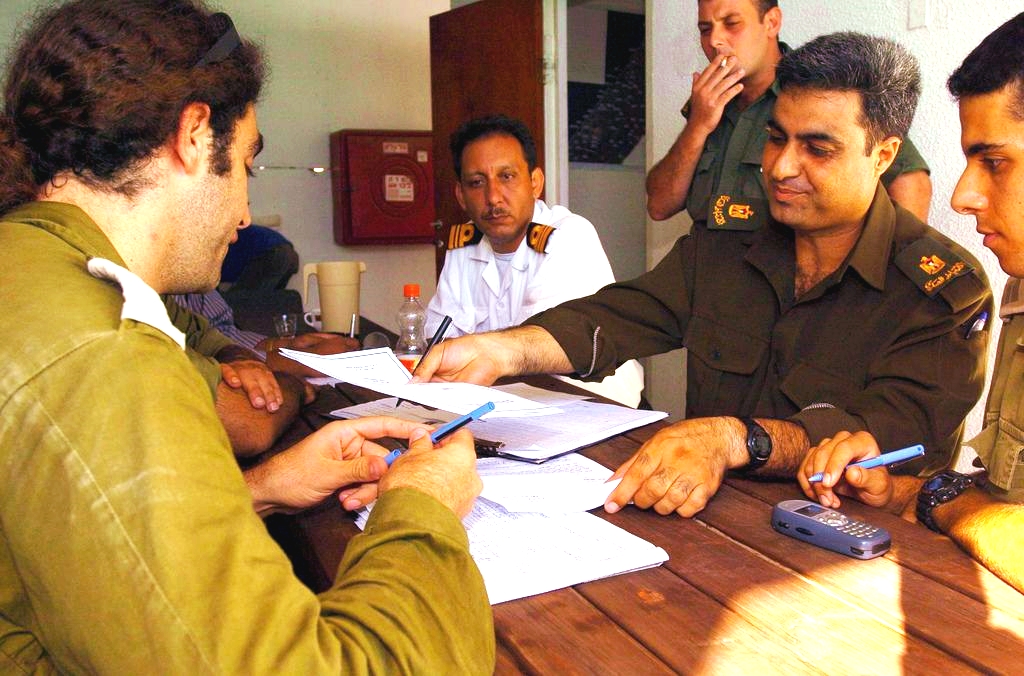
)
(485, 58)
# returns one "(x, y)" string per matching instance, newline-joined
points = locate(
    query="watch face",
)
(935, 482)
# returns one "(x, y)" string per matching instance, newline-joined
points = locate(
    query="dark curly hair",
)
(95, 87)
(488, 126)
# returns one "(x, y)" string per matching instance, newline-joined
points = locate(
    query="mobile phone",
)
(827, 528)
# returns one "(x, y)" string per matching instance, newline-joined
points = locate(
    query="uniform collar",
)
(771, 248)
(70, 224)
(872, 252)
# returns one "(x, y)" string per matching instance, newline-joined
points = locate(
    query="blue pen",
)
(463, 420)
(446, 429)
(883, 459)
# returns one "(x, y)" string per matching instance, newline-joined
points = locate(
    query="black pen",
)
(438, 336)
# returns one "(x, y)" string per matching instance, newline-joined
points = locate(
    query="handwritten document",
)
(522, 554)
(579, 423)
(571, 483)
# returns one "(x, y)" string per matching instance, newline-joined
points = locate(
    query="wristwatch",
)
(759, 444)
(937, 490)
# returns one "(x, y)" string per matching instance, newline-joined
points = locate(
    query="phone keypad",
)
(859, 529)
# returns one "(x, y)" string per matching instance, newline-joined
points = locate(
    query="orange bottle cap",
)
(411, 290)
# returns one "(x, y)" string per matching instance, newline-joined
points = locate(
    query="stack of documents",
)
(528, 533)
(555, 423)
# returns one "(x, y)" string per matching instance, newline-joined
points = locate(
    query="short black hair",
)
(764, 5)
(997, 62)
(883, 72)
(488, 126)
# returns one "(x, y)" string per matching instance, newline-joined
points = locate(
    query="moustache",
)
(495, 213)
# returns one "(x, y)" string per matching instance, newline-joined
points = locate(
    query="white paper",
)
(380, 370)
(579, 424)
(571, 483)
(525, 554)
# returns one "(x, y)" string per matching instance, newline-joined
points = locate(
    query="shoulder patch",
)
(464, 234)
(537, 236)
(741, 213)
(931, 265)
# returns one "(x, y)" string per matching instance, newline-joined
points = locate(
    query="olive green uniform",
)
(1000, 444)
(728, 173)
(129, 544)
(867, 348)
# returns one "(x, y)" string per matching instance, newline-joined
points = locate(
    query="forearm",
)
(989, 530)
(527, 350)
(789, 446)
(669, 180)
(254, 430)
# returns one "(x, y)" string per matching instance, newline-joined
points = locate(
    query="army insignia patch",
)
(930, 265)
(728, 213)
(537, 236)
(464, 234)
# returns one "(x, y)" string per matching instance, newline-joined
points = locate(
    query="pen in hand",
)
(446, 429)
(880, 460)
(437, 338)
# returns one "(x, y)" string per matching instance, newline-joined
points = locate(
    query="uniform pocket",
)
(721, 365)
(806, 385)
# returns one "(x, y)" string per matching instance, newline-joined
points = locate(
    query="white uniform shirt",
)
(475, 294)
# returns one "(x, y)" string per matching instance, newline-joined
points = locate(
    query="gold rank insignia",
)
(931, 265)
(731, 213)
(537, 236)
(464, 234)
(743, 211)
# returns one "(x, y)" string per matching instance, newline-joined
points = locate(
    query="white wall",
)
(334, 65)
(953, 30)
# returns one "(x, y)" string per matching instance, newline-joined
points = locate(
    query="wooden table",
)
(737, 597)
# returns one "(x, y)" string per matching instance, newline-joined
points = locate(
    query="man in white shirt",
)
(516, 256)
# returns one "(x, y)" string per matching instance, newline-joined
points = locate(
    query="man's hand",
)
(339, 454)
(256, 380)
(680, 467)
(482, 358)
(447, 473)
(712, 89)
(873, 487)
(668, 182)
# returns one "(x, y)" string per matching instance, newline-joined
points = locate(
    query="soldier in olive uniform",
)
(842, 312)
(982, 512)
(717, 156)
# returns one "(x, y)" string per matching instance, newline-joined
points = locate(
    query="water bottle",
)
(411, 318)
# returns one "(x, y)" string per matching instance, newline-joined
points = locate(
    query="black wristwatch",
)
(937, 490)
(759, 444)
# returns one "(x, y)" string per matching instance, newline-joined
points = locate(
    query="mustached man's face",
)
(497, 190)
(992, 186)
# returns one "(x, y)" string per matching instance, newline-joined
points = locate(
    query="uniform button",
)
(716, 354)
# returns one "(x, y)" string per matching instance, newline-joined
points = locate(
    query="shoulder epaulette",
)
(537, 236)
(464, 234)
(931, 266)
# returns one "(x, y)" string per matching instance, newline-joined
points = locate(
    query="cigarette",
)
(725, 62)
